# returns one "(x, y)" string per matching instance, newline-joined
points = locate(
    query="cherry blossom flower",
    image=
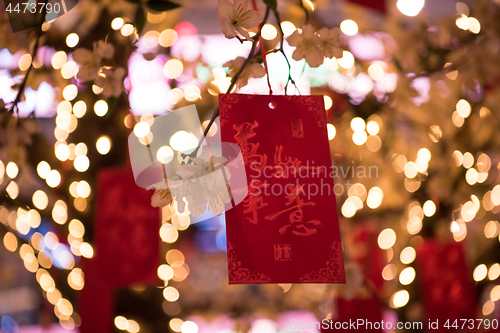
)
(103, 49)
(197, 184)
(161, 198)
(235, 18)
(90, 61)
(253, 69)
(204, 188)
(110, 80)
(88, 67)
(308, 46)
(206, 167)
(188, 171)
(330, 42)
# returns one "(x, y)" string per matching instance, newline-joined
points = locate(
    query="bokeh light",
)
(349, 27)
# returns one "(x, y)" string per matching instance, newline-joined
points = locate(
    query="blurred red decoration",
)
(126, 231)
(373, 4)
(96, 304)
(446, 283)
(364, 250)
(126, 246)
(356, 315)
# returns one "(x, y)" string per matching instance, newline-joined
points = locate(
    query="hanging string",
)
(263, 51)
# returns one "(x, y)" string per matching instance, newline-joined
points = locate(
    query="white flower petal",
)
(250, 20)
(243, 81)
(314, 59)
(325, 33)
(228, 29)
(187, 171)
(225, 9)
(243, 32)
(294, 39)
(158, 201)
(308, 31)
(257, 70)
(243, 4)
(299, 53)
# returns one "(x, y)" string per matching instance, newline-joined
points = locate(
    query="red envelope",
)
(373, 4)
(96, 303)
(126, 246)
(445, 280)
(126, 231)
(365, 313)
(286, 229)
(364, 250)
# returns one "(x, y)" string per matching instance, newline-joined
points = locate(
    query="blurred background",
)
(413, 99)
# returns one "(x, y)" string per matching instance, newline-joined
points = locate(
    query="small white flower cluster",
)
(236, 19)
(315, 46)
(91, 68)
(253, 69)
(198, 185)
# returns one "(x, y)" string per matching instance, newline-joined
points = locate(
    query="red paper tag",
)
(286, 229)
(126, 232)
(364, 250)
(356, 315)
(126, 246)
(445, 280)
(96, 301)
(373, 4)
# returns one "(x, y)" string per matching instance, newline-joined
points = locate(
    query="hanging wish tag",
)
(286, 229)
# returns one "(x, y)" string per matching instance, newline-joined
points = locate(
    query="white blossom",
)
(110, 80)
(236, 18)
(198, 185)
(161, 198)
(90, 61)
(315, 46)
(330, 42)
(253, 69)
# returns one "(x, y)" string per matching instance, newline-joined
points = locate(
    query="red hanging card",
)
(126, 232)
(366, 313)
(364, 250)
(96, 304)
(286, 229)
(378, 5)
(445, 280)
(126, 245)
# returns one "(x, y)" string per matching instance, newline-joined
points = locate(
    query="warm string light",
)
(125, 324)
(66, 122)
(465, 22)
(37, 259)
(175, 268)
(349, 27)
(367, 133)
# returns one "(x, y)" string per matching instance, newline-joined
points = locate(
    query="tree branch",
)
(301, 5)
(289, 79)
(17, 100)
(233, 83)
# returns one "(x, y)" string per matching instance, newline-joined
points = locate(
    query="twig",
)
(243, 39)
(231, 86)
(437, 69)
(17, 100)
(301, 4)
(289, 79)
